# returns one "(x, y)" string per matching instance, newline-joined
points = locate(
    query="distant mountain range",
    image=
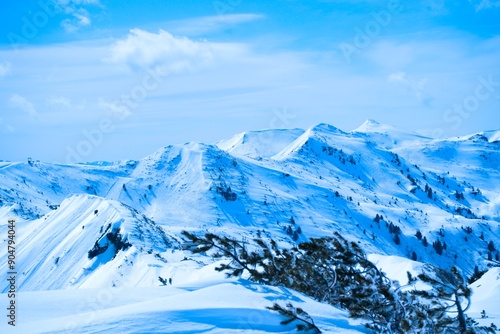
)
(104, 224)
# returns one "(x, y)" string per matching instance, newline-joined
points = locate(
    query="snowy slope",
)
(221, 307)
(269, 183)
(324, 178)
(259, 144)
(55, 248)
(296, 180)
(486, 296)
(388, 136)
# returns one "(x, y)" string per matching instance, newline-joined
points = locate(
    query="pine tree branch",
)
(295, 314)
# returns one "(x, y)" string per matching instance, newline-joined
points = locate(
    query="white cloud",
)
(485, 4)
(65, 103)
(20, 102)
(4, 69)
(115, 108)
(436, 7)
(4, 127)
(162, 52)
(398, 77)
(79, 16)
(410, 87)
(70, 6)
(82, 2)
(79, 19)
(62, 101)
(209, 24)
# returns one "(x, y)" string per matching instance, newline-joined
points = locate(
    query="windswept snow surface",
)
(117, 225)
(204, 302)
(486, 297)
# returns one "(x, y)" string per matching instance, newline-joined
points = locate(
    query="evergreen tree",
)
(459, 196)
(418, 235)
(335, 271)
(491, 246)
(329, 269)
(221, 247)
(424, 242)
(476, 275)
(438, 247)
(397, 240)
(449, 295)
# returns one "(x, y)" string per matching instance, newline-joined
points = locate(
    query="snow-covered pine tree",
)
(329, 269)
(220, 247)
(449, 294)
(335, 271)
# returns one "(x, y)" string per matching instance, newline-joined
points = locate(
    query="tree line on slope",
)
(335, 271)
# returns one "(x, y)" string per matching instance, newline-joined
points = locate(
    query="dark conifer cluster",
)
(336, 271)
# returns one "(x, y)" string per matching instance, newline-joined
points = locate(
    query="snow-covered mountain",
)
(117, 224)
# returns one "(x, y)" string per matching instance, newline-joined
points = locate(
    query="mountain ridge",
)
(315, 181)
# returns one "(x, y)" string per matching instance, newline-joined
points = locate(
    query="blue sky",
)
(84, 80)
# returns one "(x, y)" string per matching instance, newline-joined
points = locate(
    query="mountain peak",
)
(325, 127)
(371, 125)
(371, 122)
(259, 144)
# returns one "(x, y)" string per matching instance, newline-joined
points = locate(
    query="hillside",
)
(117, 224)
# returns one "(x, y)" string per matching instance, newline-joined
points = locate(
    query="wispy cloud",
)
(208, 24)
(5, 68)
(410, 87)
(79, 19)
(66, 103)
(21, 103)
(71, 5)
(114, 108)
(79, 16)
(485, 4)
(4, 127)
(436, 7)
(237, 85)
(163, 52)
